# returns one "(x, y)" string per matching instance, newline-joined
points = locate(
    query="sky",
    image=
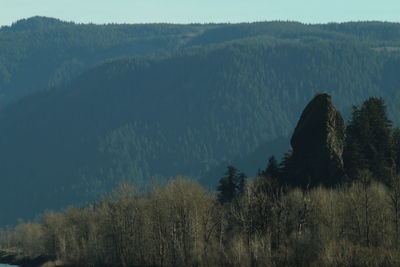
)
(200, 11)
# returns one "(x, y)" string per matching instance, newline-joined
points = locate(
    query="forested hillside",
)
(40, 53)
(191, 111)
(332, 201)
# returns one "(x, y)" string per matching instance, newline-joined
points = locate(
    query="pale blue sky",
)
(187, 11)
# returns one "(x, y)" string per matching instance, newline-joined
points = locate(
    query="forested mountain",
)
(40, 53)
(222, 94)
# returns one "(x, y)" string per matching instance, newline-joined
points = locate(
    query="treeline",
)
(181, 224)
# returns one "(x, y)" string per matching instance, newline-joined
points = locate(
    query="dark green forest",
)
(85, 107)
(290, 214)
(40, 53)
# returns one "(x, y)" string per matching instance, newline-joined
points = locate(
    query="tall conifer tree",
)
(369, 144)
(231, 185)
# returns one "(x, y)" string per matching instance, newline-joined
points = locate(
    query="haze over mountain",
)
(179, 99)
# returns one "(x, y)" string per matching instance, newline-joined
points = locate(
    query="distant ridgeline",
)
(179, 99)
(41, 53)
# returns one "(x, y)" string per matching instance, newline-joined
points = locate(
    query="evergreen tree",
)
(232, 185)
(286, 166)
(272, 169)
(396, 148)
(369, 142)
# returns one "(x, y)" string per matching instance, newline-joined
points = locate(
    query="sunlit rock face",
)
(317, 144)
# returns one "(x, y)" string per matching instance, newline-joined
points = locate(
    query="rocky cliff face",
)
(317, 144)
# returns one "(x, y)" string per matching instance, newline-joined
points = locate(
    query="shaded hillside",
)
(137, 118)
(40, 53)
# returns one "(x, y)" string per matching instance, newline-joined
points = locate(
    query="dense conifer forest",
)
(282, 217)
(84, 106)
